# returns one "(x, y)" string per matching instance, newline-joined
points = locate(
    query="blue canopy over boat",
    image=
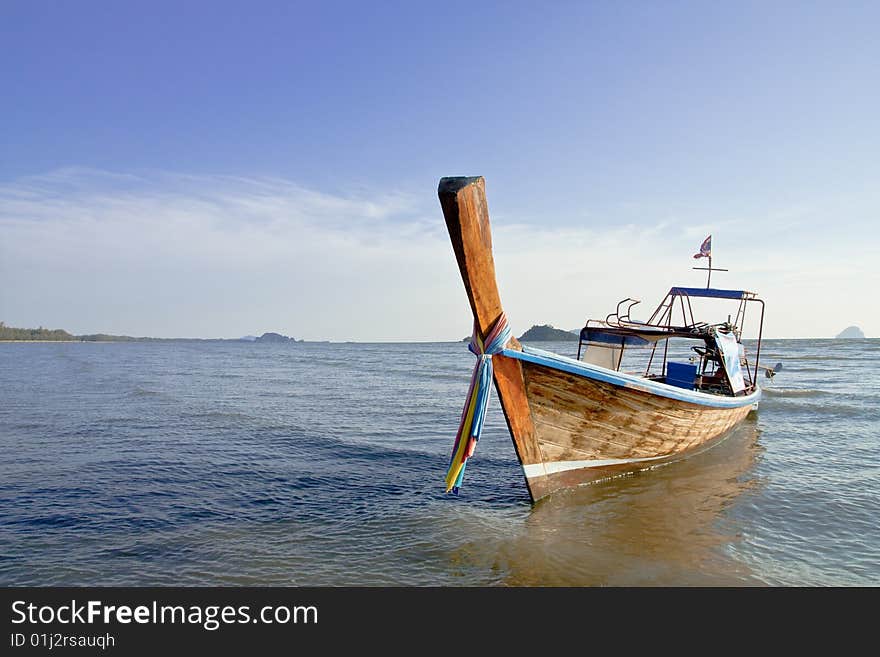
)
(712, 293)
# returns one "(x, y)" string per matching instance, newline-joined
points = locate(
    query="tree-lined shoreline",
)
(12, 334)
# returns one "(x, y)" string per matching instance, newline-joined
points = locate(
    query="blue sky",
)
(216, 169)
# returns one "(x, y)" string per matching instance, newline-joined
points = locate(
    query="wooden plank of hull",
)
(579, 419)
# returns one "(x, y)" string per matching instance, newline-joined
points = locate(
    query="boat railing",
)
(618, 319)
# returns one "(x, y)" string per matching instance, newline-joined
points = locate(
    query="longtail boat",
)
(580, 420)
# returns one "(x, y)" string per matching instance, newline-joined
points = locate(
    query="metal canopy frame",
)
(661, 326)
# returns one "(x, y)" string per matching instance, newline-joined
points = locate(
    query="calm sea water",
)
(323, 464)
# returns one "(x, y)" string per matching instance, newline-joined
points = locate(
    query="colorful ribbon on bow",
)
(474, 412)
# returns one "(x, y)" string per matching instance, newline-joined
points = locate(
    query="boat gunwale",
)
(628, 381)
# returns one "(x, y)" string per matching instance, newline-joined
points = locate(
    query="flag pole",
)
(707, 246)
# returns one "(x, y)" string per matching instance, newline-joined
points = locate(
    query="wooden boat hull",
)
(572, 423)
(586, 429)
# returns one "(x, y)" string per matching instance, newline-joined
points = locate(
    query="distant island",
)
(273, 337)
(542, 333)
(11, 334)
(547, 333)
(851, 332)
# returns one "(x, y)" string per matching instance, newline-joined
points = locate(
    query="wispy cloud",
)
(172, 255)
(195, 255)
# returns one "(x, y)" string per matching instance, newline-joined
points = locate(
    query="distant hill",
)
(546, 333)
(851, 332)
(274, 337)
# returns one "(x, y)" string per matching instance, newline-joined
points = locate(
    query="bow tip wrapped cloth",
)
(474, 412)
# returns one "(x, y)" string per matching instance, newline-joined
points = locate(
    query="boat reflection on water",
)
(663, 527)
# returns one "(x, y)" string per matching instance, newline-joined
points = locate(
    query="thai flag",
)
(705, 249)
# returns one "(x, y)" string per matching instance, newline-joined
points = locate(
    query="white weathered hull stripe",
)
(543, 469)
